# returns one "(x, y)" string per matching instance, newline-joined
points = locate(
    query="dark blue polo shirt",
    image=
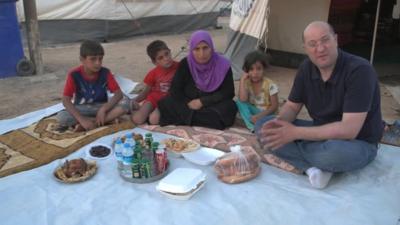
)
(353, 87)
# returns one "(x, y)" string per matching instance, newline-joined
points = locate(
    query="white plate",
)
(177, 154)
(203, 156)
(89, 156)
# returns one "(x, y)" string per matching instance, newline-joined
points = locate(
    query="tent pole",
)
(371, 60)
(33, 37)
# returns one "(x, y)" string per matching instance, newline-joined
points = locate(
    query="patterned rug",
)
(222, 140)
(41, 143)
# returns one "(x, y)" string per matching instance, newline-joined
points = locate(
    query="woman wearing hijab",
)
(202, 89)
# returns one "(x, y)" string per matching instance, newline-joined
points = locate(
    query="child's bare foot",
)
(60, 128)
(79, 128)
(154, 117)
(387, 128)
(133, 105)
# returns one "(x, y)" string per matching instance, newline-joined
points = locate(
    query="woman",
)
(202, 89)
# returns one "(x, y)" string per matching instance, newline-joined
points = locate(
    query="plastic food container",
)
(204, 156)
(182, 183)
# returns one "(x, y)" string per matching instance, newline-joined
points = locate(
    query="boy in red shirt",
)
(85, 92)
(157, 83)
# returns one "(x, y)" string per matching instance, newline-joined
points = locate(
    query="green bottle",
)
(148, 140)
(138, 153)
(135, 169)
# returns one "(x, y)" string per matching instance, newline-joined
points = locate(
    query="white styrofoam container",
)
(181, 181)
(182, 196)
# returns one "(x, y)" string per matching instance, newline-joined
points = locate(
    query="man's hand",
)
(276, 133)
(195, 104)
(101, 116)
(87, 123)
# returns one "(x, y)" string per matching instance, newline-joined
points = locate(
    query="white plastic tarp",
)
(370, 196)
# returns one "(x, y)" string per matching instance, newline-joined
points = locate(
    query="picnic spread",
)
(192, 189)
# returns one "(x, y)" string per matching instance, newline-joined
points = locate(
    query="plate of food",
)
(75, 170)
(98, 151)
(180, 145)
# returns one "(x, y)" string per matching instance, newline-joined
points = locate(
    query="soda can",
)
(161, 160)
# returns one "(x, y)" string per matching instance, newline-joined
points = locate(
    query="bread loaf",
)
(236, 167)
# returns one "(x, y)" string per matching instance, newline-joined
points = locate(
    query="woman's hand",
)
(195, 104)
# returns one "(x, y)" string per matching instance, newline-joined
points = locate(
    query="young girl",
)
(258, 95)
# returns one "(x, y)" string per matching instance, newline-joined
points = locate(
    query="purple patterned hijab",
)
(208, 77)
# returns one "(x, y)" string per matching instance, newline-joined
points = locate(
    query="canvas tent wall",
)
(286, 23)
(247, 30)
(273, 25)
(75, 20)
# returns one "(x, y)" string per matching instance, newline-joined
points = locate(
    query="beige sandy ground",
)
(20, 95)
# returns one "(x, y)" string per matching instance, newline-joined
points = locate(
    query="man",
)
(341, 94)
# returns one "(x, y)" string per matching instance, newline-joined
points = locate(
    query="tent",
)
(69, 21)
(272, 25)
(248, 29)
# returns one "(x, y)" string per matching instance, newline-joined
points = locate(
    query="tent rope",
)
(263, 36)
(137, 24)
(184, 47)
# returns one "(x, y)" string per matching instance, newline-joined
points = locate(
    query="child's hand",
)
(254, 118)
(244, 77)
(101, 116)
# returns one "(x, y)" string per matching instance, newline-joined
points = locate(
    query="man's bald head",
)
(320, 44)
(317, 24)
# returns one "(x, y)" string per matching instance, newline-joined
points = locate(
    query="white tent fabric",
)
(70, 21)
(249, 17)
(248, 28)
(117, 9)
(369, 196)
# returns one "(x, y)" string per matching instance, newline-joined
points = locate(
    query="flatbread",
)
(179, 145)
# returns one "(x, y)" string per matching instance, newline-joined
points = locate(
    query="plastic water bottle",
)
(129, 139)
(127, 160)
(118, 148)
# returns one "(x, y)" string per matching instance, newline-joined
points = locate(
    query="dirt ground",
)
(20, 95)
